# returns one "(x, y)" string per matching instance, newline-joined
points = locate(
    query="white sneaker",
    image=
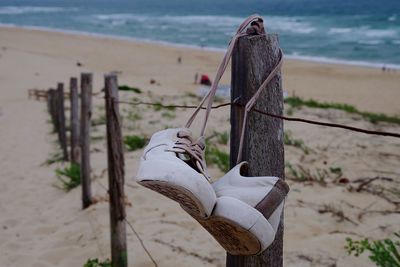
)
(164, 169)
(247, 212)
(245, 216)
(264, 193)
(241, 213)
(239, 228)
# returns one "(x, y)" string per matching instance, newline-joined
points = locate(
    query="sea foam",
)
(17, 10)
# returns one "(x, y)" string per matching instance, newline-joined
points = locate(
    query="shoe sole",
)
(184, 197)
(235, 239)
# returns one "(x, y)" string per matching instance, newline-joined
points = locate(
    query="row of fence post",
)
(263, 146)
(55, 104)
(80, 149)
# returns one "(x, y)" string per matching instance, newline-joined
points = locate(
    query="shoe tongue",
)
(184, 132)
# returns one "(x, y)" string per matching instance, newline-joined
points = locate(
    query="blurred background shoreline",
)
(362, 33)
(316, 59)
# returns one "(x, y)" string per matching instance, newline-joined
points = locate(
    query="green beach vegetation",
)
(384, 253)
(97, 263)
(72, 176)
(297, 102)
(216, 156)
(134, 142)
(129, 89)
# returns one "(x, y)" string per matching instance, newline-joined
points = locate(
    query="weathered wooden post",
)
(51, 107)
(74, 98)
(253, 59)
(37, 94)
(31, 93)
(62, 131)
(86, 114)
(55, 109)
(115, 174)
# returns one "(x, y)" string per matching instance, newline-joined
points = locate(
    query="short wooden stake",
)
(86, 114)
(74, 98)
(37, 95)
(253, 59)
(51, 107)
(115, 174)
(62, 132)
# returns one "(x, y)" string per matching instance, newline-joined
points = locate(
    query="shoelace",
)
(191, 151)
(195, 149)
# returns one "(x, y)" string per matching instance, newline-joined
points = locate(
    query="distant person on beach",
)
(179, 60)
(205, 80)
(196, 77)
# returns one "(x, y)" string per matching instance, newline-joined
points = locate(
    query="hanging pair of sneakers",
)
(241, 213)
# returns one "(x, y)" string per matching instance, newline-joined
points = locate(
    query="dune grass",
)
(382, 252)
(222, 138)
(101, 120)
(218, 157)
(168, 115)
(192, 95)
(134, 142)
(134, 115)
(72, 176)
(129, 89)
(289, 140)
(54, 158)
(297, 102)
(97, 263)
(321, 176)
(159, 106)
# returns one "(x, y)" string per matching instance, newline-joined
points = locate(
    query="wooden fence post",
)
(115, 174)
(253, 59)
(86, 114)
(51, 107)
(62, 131)
(74, 98)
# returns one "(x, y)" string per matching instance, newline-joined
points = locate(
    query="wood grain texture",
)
(115, 174)
(62, 131)
(86, 114)
(74, 98)
(253, 59)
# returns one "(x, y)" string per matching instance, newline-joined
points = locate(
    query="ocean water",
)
(364, 32)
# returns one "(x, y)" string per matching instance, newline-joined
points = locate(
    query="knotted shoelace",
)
(193, 151)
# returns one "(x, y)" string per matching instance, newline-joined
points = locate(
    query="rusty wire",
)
(326, 124)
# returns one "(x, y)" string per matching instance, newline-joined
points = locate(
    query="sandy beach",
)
(43, 226)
